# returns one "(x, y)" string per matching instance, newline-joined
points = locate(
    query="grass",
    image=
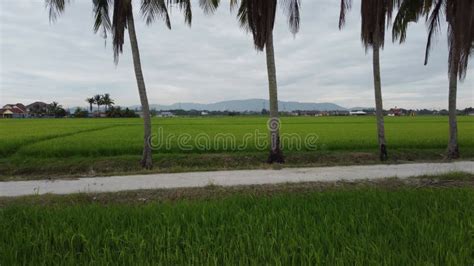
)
(391, 222)
(105, 146)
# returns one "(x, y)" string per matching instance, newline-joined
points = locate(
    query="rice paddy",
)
(364, 226)
(32, 145)
(361, 224)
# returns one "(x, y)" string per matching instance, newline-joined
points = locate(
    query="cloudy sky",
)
(214, 60)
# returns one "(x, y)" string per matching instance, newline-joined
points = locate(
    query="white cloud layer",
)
(215, 60)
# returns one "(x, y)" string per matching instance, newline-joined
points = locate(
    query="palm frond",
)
(243, 16)
(409, 11)
(292, 11)
(373, 13)
(155, 9)
(184, 6)
(460, 18)
(209, 6)
(121, 14)
(376, 15)
(460, 21)
(391, 6)
(345, 6)
(102, 16)
(261, 19)
(433, 28)
(258, 16)
(55, 8)
(233, 4)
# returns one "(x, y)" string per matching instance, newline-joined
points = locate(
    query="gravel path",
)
(228, 178)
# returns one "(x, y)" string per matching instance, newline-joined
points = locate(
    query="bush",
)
(79, 113)
(60, 112)
(117, 112)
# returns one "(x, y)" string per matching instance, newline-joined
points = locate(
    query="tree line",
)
(100, 100)
(114, 17)
(112, 112)
(53, 109)
(109, 109)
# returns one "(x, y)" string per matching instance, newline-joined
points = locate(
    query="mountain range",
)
(252, 105)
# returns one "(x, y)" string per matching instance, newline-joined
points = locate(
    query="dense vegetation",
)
(73, 145)
(405, 226)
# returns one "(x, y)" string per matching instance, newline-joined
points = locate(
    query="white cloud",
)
(214, 60)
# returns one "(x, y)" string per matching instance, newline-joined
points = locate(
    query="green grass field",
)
(391, 224)
(69, 146)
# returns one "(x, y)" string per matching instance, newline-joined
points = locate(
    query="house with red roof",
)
(14, 111)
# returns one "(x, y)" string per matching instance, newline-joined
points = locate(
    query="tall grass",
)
(362, 227)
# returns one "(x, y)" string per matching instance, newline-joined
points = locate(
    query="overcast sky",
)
(215, 60)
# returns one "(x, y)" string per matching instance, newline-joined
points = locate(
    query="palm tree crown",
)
(107, 101)
(459, 16)
(376, 15)
(91, 101)
(98, 101)
(121, 11)
(258, 16)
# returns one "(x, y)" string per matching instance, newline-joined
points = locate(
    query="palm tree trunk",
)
(379, 104)
(276, 155)
(453, 148)
(146, 161)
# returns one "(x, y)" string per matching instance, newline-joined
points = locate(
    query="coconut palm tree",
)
(258, 17)
(91, 101)
(376, 14)
(98, 101)
(459, 15)
(122, 19)
(107, 101)
(56, 110)
(53, 107)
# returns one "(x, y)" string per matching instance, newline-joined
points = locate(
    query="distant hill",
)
(253, 105)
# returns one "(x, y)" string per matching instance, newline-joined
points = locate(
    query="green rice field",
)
(82, 145)
(358, 226)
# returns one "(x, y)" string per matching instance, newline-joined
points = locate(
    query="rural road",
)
(228, 178)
